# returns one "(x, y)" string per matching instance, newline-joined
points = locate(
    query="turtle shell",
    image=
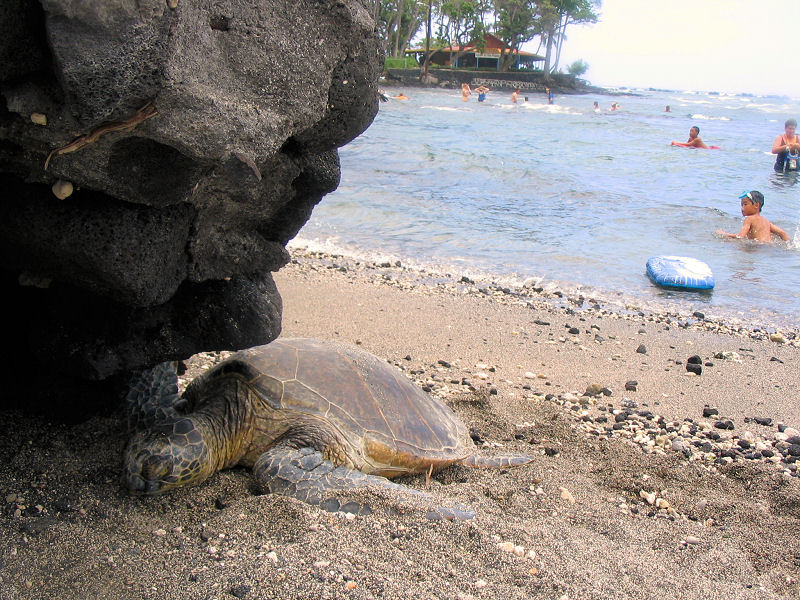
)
(362, 411)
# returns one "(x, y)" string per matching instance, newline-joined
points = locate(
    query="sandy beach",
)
(649, 480)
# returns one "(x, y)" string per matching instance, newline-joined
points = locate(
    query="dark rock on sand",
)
(204, 150)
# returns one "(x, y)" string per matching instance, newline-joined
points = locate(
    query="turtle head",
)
(165, 457)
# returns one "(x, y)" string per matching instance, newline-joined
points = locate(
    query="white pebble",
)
(649, 497)
(690, 539)
(567, 495)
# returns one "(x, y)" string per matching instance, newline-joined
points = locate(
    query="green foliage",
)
(578, 68)
(461, 22)
(409, 62)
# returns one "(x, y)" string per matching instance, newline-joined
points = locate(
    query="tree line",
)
(456, 23)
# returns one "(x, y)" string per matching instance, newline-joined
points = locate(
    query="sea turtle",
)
(310, 417)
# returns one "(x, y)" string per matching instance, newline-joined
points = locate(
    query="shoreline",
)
(543, 293)
(601, 511)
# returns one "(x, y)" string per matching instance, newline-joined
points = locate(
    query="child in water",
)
(755, 227)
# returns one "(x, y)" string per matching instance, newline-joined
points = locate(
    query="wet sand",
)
(612, 506)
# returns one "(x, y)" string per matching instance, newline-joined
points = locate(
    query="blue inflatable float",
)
(680, 272)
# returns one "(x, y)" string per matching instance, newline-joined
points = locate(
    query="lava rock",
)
(694, 368)
(166, 245)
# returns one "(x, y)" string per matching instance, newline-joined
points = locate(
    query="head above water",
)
(756, 197)
(790, 123)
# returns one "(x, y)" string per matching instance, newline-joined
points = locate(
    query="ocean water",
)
(571, 199)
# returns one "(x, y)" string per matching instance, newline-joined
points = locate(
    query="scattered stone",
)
(566, 495)
(724, 424)
(445, 364)
(630, 386)
(710, 411)
(777, 338)
(241, 591)
(694, 360)
(642, 349)
(692, 540)
(594, 389)
(694, 368)
(551, 450)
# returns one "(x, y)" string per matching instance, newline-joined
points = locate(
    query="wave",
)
(703, 117)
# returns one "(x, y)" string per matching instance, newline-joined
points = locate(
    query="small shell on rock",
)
(62, 189)
(39, 118)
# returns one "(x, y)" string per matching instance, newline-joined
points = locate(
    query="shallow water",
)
(573, 198)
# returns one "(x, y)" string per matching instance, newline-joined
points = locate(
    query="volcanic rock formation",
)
(155, 158)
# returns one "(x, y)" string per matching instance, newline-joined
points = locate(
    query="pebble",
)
(692, 540)
(566, 495)
(642, 349)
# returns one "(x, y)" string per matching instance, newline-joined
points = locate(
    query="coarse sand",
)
(633, 493)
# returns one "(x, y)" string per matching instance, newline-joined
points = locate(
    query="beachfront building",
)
(472, 56)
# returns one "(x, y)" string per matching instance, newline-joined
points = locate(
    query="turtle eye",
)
(156, 467)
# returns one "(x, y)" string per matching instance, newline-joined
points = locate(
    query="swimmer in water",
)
(786, 143)
(401, 96)
(466, 92)
(482, 90)
(515, 95)
(596, 107)
(755, 227)
(694, 140)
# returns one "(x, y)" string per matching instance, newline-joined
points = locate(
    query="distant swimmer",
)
(787, 147)
(466, 92)
(515, 95)
(666, 108)
(614, 106)
(482, 91)
(694, 141)
(755, 227)
(401, 96)
(549, 96)
(596, 107)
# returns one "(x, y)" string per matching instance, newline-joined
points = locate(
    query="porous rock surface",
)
(195, 136)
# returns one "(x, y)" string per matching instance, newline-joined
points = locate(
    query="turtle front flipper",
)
(153, 397)
(304, 474)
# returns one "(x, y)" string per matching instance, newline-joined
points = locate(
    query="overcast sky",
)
(710, 45)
